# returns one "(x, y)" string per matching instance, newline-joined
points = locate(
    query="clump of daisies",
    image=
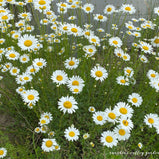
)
(128, 78)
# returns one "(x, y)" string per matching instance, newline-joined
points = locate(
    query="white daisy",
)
(111, 115)
(121, 133)
(115, 41)
(99, 117)
(59, 77)
(122, 81)
(139, 145)
(24, 58)
(31, 96)
(151, 119)
(27, 42)
(71, 133)
(109, 9)
(3, 152)
(71, 63)
(12, 55)
(146, 48)
(48, 145)
(128, 8)
(88, 8)
(126, 123)
(67, 104)
(135, 99)
(39, 62)
(123, 109)
(99, 73)
(109, 139)
(128, 71)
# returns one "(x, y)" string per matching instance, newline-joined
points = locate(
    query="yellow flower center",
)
(12, 55)
(156, 41)
(109, 139)
(65, 28)
(75, 83)
(56, 147)
(145, 48)
(153, 75)
(43, 121)
(125, 122)
(24, 59)
(76, 90)
(125, 57)
(109, 9)
(99, 73)
(122, 132)
(39, 63)
(100, 17)
(119, 54)
(14, 70)
(112, 115)
(59, 78)
(42, 2)
(63, 5)
(49, 143)
(93, 40)
(128, 71)
(28, 43)
(26, 78)
(128, 8)
(67, 104)
(150, 120)
(134, 100)
(30, 97)
(71, 134)
(88, 9)
(1, 152)
(71, 63)
(99, 118)
(74, 30)
(4, 17)
(90, 50)
(115, 42)
(123, 110)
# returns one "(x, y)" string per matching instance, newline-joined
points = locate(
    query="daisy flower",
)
(75, 81)
(156, 10)
(128, 71)
(47, 115)
(86, 136)
(135, 99)
(122, 81)
(74, 30)
(94, 40)
(151, 119)
(143, 58)
(109, 139)
(123, 109)
(31, 96)
(3, 152)
(91, 109)
(12, 55)
(59, 77)
(128, 8)
(99, 73)
(48, 145)
(76, 89)
(155, 41)
(71, 63)
(71, 133)
(111, 115)
(126, 57)
(118, 52)
(67, 104)
(100, 18)
(32, 70)
(37, 130)
(14, 71)
(146, 48)
(151, 74)
(24, 58)
(39, 62)
(139, 145)
(122, 134)
(88, 8)
(44, 121)
(27, 42)
(126, 123)
(109, 9)
(90, 50)
(99, 117)
(115, 41)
